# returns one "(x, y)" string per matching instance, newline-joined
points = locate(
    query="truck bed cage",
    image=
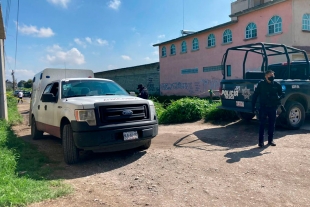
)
(266, 50)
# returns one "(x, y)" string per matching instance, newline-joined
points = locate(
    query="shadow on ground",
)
(234, 136)
(90, 163)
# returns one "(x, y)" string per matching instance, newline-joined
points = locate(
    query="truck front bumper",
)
(108, 139)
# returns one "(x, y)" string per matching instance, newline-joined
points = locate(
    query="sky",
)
(97, 34)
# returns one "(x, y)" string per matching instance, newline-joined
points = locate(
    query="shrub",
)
(184, 110)
(159, 109)
(214, 113)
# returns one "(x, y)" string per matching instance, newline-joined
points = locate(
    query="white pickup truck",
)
(89, 113)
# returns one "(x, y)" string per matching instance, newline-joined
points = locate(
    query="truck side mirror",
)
(48, 97)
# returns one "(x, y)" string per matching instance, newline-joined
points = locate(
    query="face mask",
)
(271, 78)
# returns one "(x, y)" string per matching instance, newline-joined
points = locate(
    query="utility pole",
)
(13, 77)
(3, 101)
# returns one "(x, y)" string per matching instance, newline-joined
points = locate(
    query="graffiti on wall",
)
(195, 88)
(130, 82)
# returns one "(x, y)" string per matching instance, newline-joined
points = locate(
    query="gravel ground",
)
(193, 164)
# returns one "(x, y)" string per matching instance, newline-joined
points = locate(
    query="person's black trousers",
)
(271, 113)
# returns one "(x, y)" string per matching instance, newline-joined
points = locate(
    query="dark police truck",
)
(294, 77)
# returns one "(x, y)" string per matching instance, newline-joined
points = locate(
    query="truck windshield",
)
(75, 88)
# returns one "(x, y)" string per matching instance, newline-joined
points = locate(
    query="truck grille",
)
(123, 113)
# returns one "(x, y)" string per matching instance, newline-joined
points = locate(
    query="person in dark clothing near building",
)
(270, 95)
(143, 93)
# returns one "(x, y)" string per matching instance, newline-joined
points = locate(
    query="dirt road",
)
(195, 164)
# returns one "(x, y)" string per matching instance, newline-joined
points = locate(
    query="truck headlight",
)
(86, 115)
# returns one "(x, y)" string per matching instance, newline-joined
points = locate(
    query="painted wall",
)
(197, 83)
(129, 78)
(300, 38)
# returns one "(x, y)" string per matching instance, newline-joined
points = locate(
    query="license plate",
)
(130, 135)
(240, 103)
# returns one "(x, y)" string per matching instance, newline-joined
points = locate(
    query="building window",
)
(184, 47)
(306, 22)
(163, 52)
(211, 40)
(172, 49)
(195, 44)
(227, 36)
(228, 70)
(251, 31)
(275, 25)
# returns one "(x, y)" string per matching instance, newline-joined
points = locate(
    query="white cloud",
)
(214, 23)
(125, 57)
(102, 42)
(156, 52)
(88, 39)
(114, 4)
(58, 56)
(34, 31)
(62, 3)
(111, 67)
(161, 36)
(79, 42)
(20, 74)
(147, 58)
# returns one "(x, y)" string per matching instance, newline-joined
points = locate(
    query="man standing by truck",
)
(270, 95)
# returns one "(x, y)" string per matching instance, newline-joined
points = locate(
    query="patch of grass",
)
(14, 116)
(23, 169)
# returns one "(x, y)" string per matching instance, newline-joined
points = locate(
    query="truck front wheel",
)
(35, 133)
(295, 115)
(245, 116)
(146, 145)
(70, 151)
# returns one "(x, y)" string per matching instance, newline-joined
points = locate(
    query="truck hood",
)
(89, 101)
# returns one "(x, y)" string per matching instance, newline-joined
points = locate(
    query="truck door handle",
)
(38, 107)
(59, 107)
(45, 107)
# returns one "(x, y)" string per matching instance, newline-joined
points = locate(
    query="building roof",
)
(156, 63)
(2, 31)
(260, 6)
(202, 31)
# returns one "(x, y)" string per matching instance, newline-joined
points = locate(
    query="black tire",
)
(245, 116)
(70, 151)
(146, 145)
(35, 133)
(295, 115)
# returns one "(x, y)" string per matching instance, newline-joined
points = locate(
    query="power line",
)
(16, 33)
(7, 14)
(15, 45)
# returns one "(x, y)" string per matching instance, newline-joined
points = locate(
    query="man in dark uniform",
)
(143, 93)
(270, 95)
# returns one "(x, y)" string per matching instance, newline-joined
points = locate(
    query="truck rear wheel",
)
(245, 116)
(295, 115)
(35, 133)
(71, 152)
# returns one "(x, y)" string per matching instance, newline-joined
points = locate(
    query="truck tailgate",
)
(237, 94)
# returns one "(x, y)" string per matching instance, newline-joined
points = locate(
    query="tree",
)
(21, 83)
(28, 84)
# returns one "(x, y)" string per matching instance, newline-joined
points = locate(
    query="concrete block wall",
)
(130, 77)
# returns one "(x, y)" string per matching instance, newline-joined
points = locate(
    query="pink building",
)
(191, 65)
